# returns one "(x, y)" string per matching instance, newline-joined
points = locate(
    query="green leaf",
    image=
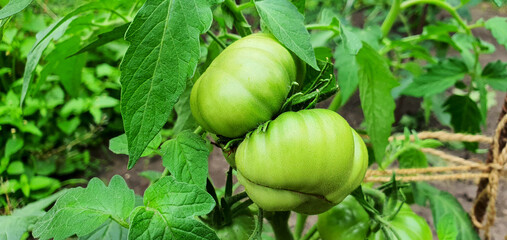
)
(375, 84)
(168, 212)
(184, 120)
(442, 204)
(13, 145)
(82, 210)
(300, 4)
(13, 7)
(14, 226)
(287, 24)
(68, 126)
(346, 65)
(446, 228)
(104, 38)
(163, 54)
(186, 157)
(110, 230)
(16, 168)
(495, 74)
(351, 41)
(498, 27)
(465, 115)
(438, 78)
(118, 145)
(412, 158)
(151, 175)
(464, 44)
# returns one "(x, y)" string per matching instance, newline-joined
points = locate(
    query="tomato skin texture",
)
(408, 225)
(244, 86)
(306, 161)
(241, 227)
(347, 220)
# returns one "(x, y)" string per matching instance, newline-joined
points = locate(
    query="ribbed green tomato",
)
(244, 86)
(408, 225)
(347, 220)
(306, 161)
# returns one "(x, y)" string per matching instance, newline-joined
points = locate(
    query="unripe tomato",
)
(347, 220)
(306, 161)
(408, 225)
(244, 86)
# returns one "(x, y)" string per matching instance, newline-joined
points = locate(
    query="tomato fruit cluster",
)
(306, 161)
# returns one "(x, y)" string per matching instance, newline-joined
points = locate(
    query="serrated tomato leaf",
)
(163, 54)
(287, 24)
(498, 27)
(168, 212)
(495, 75)
(465, 115)
(82, 210)
(186, 157)
(375, 84)
(438, 78)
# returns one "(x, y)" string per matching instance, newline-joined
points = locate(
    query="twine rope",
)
(460, 170)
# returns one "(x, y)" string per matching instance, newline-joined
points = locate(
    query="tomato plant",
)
(249, 78)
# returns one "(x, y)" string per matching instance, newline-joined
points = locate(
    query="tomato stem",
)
(311, 232)
(280, 223)
(228, 183)
(300, 225)
(240, 22)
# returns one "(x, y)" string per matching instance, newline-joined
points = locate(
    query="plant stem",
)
(310, 233)
(228, 183)
(240, 22)
(121, 222)
(300, 225)
(336, 103)
(199, 130)
(441, 4)
(216, 39)
(391, 17)
(280, 224)
(323, 27)
(244, 6)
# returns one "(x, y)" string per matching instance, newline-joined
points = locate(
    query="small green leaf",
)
(82, 210)
(465, 115)
(438, 78)
(118, 145)
(186, 157)
(184, 120)
(13, 7)
(168, 212)
(500, 3)
(287, 24)
(16, 168)
(351, 41)
(446, 228)
(12, 146)
(412, 158)
(68, 126)
(104, 38)
(347, 67)
(498, 27)
(375, 84)
(495, 75)
(151, 175)
(163, 54)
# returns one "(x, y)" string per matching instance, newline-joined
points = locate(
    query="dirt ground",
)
(464, 191)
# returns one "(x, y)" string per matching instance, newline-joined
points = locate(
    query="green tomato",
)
(244, 86)
(408, 225)
(347, 220)
(306, 161)
(241, 227)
